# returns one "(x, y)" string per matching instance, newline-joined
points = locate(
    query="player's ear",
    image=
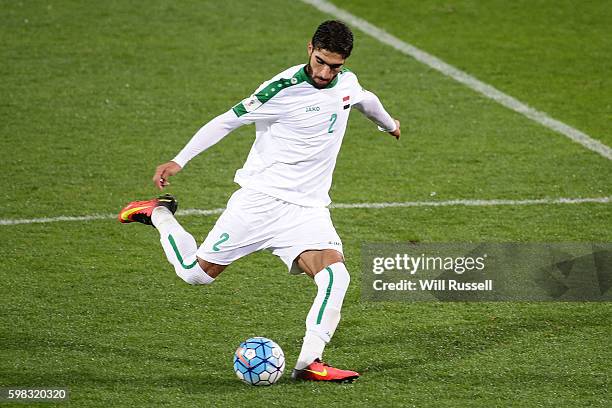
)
(310, 48)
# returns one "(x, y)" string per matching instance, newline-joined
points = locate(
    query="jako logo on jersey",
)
(312, 109)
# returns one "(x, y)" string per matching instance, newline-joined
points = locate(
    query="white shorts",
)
(253, 221)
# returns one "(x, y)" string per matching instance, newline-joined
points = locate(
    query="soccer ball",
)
(259, 361)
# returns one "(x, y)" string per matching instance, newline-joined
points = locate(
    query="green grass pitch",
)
(95, 94)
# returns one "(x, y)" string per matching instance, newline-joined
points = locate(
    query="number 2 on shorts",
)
(223, 237)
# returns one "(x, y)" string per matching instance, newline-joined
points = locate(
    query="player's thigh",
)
(228, 243)
(306, 240)
(240, 230)
(314, 261)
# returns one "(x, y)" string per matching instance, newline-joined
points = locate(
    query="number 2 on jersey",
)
(332, 122)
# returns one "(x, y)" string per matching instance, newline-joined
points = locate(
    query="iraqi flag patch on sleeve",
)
(251, 103)
(346, 101)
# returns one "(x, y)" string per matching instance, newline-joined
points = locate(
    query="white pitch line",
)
(448, 203)
(466, 79)
(477, 203)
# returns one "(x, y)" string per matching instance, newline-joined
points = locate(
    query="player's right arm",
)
(254, 108)
(205, 137)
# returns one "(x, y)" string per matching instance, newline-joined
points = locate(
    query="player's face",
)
(323, 65)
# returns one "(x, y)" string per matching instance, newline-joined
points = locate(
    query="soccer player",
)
(300, 117)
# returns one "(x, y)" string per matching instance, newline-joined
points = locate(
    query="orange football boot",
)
(140, 211)
(320, 371)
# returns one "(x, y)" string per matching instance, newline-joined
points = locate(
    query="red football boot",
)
(140, 211)
(320, 371)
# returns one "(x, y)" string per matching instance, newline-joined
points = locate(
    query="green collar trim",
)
(302, 76)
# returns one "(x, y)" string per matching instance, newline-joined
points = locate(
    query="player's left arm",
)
(372, 108)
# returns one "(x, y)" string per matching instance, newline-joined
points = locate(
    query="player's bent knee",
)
(341, 276)
(315, 261)
(212, 269)
(346, 280)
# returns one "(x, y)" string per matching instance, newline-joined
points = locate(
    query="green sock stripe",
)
(327, 293)
(178, 254)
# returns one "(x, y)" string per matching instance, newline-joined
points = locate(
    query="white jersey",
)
(299, 131)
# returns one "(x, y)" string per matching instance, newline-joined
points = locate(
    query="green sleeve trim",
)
(239, 109)
(273, 88)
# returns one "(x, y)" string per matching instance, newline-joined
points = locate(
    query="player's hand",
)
(397, 132)
(163, 172)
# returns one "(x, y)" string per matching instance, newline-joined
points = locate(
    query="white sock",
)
(180, 247)
(312, 348)
(324, 315)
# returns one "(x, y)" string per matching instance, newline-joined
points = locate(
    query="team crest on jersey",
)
(346, 101)
(251, 103)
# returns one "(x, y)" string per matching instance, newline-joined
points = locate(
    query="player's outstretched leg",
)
(321, 322)
(180, 246)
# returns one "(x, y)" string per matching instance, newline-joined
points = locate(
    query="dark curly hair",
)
(334, 36)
